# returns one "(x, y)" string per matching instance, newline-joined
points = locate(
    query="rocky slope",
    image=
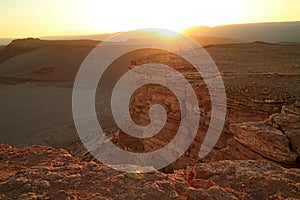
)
(40, 172)
(252, 96)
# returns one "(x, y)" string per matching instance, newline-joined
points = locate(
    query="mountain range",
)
(267, 32)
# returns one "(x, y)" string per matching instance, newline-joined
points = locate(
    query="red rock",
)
(41, 178)
(264, 140)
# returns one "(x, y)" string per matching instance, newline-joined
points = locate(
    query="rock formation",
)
(245, 135)
(277, 138)
(40, 172)
(256, 156)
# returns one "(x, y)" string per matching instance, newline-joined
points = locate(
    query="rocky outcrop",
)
(150, 94)
(242, 180)
(288, 121)
(264, 140)
(277, 138)
(250, 98)
(40, 172)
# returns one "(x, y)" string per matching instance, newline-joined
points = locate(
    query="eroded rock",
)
(289, 122)
(39, 172)
(265, 140)
(245, 180)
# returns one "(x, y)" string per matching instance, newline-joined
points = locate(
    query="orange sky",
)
(36, 18)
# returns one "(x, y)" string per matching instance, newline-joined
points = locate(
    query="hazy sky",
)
(35, 18)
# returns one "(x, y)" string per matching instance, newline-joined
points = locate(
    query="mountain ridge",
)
(267, 32)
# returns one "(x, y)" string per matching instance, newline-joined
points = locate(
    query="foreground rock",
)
(243, 180)
(289, 122)
(39, 172)
(277, 138)
(264, 140)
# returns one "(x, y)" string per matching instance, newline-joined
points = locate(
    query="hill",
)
(57, 59)
(268, 32)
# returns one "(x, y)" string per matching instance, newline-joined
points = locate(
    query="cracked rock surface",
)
(40, 172)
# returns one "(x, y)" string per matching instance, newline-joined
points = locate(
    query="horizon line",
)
(115, 32)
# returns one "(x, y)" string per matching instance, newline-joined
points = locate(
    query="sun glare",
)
(173, 15)
(166, 33)
(94, 17)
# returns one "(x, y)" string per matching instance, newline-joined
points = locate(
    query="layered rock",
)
(40, 172)
(242, 180)
(276, 139)
(288, 121)
(264, 140)
(246, 102)
(148, 95)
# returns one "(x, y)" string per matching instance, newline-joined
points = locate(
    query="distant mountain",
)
(268, 32)
(43, 59)
(100, 37)
(206, 41)
(21, 46)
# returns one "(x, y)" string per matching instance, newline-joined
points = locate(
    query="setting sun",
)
(77, 17)
(160, 99)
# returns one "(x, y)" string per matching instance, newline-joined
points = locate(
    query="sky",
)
(37, 18)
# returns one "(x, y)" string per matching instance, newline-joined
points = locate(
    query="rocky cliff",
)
(251, 98)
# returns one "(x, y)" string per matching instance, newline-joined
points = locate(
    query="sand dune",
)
(27, 109)
(62, 63)
(42, 57)
(21, 46)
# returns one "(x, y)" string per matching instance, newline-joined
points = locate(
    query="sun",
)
(94, 17)
(108, 16)
(166, 33)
